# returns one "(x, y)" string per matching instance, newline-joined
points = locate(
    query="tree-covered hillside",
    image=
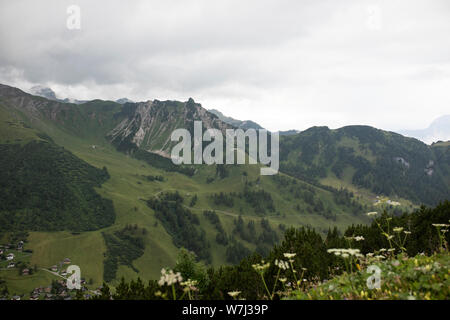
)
(411, 252)
(45, 187)
(383, 162)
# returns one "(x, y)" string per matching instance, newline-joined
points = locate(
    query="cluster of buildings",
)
(57, 290)
(5, 253)
(61, 292)
(45, 293)
(5, 248)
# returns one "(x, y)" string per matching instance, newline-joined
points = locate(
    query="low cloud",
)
(284, 64)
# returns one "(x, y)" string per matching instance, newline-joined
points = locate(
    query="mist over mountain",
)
(438, 130)
(42, 91)
(47, 92)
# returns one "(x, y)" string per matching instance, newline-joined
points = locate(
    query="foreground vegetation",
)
(304, 266)
(420, 277)
(403, 257)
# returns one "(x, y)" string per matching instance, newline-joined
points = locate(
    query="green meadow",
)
(128, 189)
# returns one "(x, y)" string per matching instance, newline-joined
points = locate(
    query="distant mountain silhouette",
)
(439, 130)
(241, 124)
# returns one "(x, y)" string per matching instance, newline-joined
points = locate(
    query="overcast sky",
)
(284, 64)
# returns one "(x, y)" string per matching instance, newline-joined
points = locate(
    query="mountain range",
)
(79, 176)
(46, 92)
(438, 130)
(244, 125)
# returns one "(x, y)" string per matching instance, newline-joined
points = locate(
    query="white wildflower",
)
(352, 252)
(261, 267)
(189, 283)
(441, 225)
(345, 253)
(234, 293)
(169, 277)
(283, 265)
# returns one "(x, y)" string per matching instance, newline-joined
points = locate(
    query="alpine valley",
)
(92, 183)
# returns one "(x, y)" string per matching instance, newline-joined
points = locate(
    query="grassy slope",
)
(18, 285)
(126, 188)
(13, 129)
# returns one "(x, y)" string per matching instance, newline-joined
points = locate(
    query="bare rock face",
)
(143, 125)
(149, 125)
